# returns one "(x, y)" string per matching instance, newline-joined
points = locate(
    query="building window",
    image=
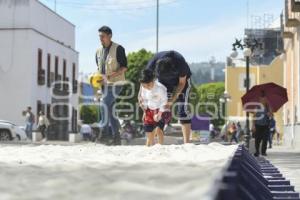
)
(74, 120)
(74, 81)
(49, 70)
(64, 70)
(57, 76)
(41, 72)
(39, 107)
(65, 79)
(48, 111)
(56, 68)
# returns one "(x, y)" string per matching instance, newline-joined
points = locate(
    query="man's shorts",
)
(182, 104)
(150, 124)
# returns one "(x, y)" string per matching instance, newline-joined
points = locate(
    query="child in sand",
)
(152, 99)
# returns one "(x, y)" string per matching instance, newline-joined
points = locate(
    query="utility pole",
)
(55, 5)
(157, 24)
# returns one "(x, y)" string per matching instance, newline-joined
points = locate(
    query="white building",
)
(37, 52)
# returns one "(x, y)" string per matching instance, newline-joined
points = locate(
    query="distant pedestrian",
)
(261, 126)
(238, 130)
(277, 136)
(29, 121)
(272, 130)
(86, 132)
(233, 132)
(212, 130)
(43, 125)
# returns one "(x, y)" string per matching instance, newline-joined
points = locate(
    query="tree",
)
(210, 93)
(89, 114)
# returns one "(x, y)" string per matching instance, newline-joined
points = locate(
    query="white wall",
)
(15, 74)
(26, 26)
(33, 14)
(18, 67)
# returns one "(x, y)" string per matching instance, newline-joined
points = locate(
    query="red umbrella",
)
(275, 95)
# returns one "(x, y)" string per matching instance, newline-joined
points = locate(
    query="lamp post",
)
(157, 25)
(248, 46)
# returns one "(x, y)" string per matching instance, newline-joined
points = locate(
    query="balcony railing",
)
(295, 5)
(41, 77)
(290, 19)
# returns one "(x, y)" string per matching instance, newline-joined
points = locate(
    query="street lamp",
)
(248, 46)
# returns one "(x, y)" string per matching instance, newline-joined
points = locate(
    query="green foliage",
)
(211, 93)
(89, 114)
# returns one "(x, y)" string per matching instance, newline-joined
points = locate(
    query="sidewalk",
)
(288, 162)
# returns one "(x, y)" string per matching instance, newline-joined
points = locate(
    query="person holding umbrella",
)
(261, 126)
(262, 100)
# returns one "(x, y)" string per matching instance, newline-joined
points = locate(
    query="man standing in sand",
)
(174, 73)
(112, 64)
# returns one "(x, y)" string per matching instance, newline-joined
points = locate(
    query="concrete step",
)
(287, 194)
(282, 188)
(279, 182)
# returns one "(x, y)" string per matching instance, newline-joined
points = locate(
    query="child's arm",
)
(141, 99)
(164, 100)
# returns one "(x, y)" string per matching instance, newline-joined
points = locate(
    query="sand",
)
(89, 171)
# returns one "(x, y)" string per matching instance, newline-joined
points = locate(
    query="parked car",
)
(10, 131)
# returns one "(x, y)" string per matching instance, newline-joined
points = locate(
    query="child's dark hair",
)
(147, 76)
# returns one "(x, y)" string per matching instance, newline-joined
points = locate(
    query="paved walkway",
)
(288, 162)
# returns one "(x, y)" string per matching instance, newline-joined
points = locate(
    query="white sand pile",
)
(99, 172)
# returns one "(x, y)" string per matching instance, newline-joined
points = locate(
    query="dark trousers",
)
(43, 131)
(234, 137)
(271, 134)
(261, 135)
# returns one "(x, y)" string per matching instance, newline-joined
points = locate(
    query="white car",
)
(10, 131)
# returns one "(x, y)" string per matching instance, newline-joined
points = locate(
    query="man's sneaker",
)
(264, 154)
(256, 154)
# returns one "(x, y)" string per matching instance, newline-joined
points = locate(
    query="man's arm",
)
(121, 70)
(177, 92)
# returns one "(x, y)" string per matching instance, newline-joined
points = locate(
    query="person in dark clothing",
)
(174, 73)
(272, 131)
(233, 130)
(261, 126)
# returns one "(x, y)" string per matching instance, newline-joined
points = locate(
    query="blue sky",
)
(199, 29)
